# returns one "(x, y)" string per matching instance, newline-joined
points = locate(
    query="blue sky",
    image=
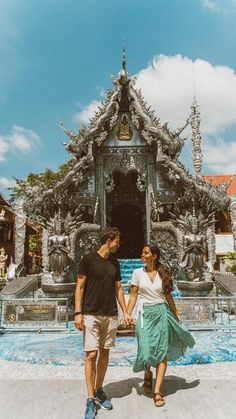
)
(57, 58)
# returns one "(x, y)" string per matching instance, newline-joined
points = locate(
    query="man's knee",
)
(91, 356)
(104, 353)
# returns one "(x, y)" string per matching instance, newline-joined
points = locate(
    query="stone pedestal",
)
(64, 290)
(195, 289)
(60, 290)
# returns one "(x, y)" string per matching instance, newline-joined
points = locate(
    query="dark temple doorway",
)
(129, 220)
(126, 211)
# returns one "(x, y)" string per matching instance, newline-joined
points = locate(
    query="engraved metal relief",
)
(168, 227)
(164, 236)
(211, 245)
(3, 263)
(45, 256)
(233, 219)
(86, 240)
(20, 229)
(196, 138)
(124, 163)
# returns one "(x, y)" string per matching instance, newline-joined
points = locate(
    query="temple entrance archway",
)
(129, 219)
(126, 210)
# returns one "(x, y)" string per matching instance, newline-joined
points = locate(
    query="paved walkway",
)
(191, 392)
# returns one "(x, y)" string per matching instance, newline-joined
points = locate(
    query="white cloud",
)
(7, 183)
(19, 140)
(220, 156)
(167, 85)
(23, 139)
(4, 146)
(224, 6)
(84, 116)
(210, 4)
(88, 111)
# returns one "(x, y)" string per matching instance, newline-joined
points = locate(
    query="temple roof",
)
(125, 98)
(3, 201)
(228, 180)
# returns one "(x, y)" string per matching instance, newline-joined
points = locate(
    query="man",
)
(96, 314)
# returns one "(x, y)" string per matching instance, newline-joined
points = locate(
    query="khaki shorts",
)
(100, 332)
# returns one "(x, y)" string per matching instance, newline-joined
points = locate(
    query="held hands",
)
(128, 319)
(79, 322)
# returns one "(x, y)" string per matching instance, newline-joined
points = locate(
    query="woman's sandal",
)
(147, 384)
(158, 400)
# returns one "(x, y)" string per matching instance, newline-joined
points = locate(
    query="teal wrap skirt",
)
(160, 336)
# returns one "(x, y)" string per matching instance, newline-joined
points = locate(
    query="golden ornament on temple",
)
(124, 131)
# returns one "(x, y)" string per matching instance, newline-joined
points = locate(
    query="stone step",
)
(127, 267)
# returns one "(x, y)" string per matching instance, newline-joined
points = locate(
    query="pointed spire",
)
(124, 60)
(123, 76)
(196, 137)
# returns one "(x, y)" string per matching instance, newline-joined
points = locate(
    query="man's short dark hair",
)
(109, 233)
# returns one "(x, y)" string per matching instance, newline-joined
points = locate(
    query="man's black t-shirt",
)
(100, 292)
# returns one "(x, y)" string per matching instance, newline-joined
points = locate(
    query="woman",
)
(160, 337)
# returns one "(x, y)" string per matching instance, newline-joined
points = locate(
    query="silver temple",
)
(125, 171)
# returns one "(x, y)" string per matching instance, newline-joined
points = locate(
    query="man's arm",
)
(121, 301)
(78, 301)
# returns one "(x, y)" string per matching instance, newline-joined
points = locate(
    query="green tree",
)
(47, 179)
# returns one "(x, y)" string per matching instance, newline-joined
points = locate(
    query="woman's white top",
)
(149, 292)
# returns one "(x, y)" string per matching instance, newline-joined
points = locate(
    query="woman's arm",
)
(172, 305)
(132, 299)
(121, 300)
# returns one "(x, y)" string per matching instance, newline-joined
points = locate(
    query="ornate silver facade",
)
(233, 219)
(196, 138)
(20, 229)
(125, 171)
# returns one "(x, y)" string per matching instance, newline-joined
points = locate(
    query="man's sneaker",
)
(101, 399)
(91, 409)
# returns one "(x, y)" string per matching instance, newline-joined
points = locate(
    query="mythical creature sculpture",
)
(58, 250)
(59, 244)
(195, 251)
(3, 259)
(194, 243)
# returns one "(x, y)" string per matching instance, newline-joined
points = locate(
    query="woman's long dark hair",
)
(167, 283)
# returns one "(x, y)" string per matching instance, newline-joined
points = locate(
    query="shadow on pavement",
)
(171, 385)
(123, 388)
